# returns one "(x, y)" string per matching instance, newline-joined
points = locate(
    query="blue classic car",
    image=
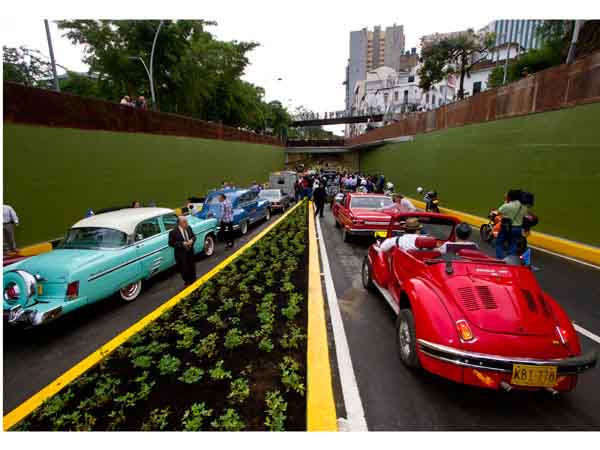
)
(248, 208)
(100, 255)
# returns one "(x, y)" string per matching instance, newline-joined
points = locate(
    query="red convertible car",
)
(361, 214)
(471, 318)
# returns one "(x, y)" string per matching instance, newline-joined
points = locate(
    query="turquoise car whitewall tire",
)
(131, 292)
(209, 245)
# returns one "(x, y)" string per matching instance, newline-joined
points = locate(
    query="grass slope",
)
(52, 176)
(555, 155)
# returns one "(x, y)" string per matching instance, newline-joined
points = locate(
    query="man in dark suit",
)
(182, 239)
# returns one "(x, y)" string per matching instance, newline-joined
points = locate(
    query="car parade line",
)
(33, 402)
(354, 409)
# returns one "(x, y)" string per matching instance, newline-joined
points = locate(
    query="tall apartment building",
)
(370, 50)
(523, 32)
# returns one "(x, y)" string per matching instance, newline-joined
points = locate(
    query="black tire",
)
(345, 235)
(244, 228)
(486, 233)
(367, 279)
(406, 339)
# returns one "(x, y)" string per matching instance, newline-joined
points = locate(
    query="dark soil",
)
(83, 405)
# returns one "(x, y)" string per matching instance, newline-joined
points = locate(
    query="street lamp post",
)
(149, 71)
(51, 51)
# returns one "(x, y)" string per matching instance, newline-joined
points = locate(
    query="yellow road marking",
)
(320, 406)
(563, 246)
(29, 405)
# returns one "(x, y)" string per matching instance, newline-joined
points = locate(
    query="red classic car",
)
(471, 318)
(361, 214)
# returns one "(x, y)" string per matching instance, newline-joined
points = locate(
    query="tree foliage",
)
(194, 73)
(454, 54)
(26, 66)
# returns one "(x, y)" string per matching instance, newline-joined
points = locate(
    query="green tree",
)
(453, 55)
(194, 73)
(26, 66)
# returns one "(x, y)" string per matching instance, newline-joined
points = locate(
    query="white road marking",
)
(586, 333)
(354, 409)
(593, 266)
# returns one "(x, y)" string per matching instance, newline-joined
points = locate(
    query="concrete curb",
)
(320, 405)
(28, 406)
(555, 244)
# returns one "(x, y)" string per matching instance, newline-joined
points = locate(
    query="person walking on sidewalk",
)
(226, 218)
(10, 221)
(319, 197)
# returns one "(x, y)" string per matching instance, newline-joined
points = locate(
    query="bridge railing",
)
(315, 143)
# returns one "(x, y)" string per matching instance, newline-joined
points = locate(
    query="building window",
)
(411, 78)
(476, 87)
(427, 98)
(406, 96)
(433, 99)
(385, 98)
(395, 96)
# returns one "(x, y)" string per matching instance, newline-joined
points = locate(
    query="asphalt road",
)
(37, 356)
(395, 398)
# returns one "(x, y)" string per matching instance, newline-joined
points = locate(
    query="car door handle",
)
(139, 245)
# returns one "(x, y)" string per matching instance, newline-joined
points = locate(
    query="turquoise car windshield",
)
(93, 237)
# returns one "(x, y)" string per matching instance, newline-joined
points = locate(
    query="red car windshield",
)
(436, 227)
(371, 202)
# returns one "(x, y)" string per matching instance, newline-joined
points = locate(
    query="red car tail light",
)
(73, 290)
(464, 330)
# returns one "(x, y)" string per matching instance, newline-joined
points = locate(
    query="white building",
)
(388, 92)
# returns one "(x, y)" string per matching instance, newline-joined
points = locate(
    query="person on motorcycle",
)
(511, 231)
(462, 232)
(406, 241)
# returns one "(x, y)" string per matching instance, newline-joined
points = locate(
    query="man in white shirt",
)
(10, 220)
(404, 242)
(402, 204)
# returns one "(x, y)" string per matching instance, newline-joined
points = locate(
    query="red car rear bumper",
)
(489, 371)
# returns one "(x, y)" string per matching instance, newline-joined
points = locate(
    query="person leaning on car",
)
(182, 239)
(402, 204)
(513, 212)
(404, 242)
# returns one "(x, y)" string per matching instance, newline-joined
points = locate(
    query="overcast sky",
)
(303, 42)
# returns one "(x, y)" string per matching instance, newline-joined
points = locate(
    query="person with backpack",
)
(511, 229)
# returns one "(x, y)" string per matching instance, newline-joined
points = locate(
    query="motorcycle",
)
(489, 231)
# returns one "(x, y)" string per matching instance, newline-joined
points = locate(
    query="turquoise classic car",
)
(100, 256)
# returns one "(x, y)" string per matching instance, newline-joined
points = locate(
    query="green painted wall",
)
(555, 155)
(52, 176)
